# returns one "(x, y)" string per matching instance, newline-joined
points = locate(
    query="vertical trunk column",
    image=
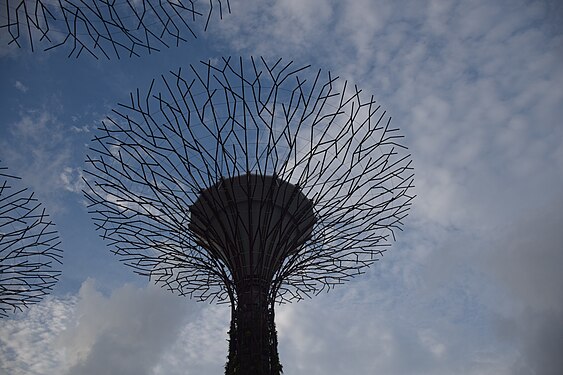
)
(253, 332)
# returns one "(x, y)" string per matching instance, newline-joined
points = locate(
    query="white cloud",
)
(28, 341)
(40, 150)
(123, 334)
(81, 129)
(201, 345)
(72, 179)
(132, 331)
(21, 87)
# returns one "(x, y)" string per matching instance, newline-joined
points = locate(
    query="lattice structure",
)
(29, 248)
(251, 183)
(106, 28)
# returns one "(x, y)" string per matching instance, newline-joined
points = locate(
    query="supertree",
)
(251, 183)
(29, 247)
(105, 28)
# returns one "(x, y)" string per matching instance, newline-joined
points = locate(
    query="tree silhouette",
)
(28, 247)
(251, 183)
(106, 28)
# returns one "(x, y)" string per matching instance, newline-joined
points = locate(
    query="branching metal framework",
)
(106, 28)
(193, 136)
(29, 248)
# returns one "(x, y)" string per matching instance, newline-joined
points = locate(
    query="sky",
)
(471, 286)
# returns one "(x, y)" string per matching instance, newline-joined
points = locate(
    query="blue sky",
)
(471, 286)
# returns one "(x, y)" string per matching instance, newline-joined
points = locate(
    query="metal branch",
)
(106, 28)
(29, 248)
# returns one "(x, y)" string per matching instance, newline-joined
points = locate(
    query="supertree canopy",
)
(249, 182)
(28, 247)
(106, 28)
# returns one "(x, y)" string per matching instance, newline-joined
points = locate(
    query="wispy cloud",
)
(81, 129)
(72, 179)
(21, 87)
(39, 149)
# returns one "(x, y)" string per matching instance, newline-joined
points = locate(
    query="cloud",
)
(132, 331)
(21, 87)
(28, 341)
(336, 335)
(123, 334)
(538, 342)
(443, 301)
(500, 287)
(38, 149)
(524, 269)
(82, 129)
(72, 179)
(525, 257)
(201, 345)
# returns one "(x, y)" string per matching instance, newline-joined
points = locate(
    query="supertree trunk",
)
(253, 337)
